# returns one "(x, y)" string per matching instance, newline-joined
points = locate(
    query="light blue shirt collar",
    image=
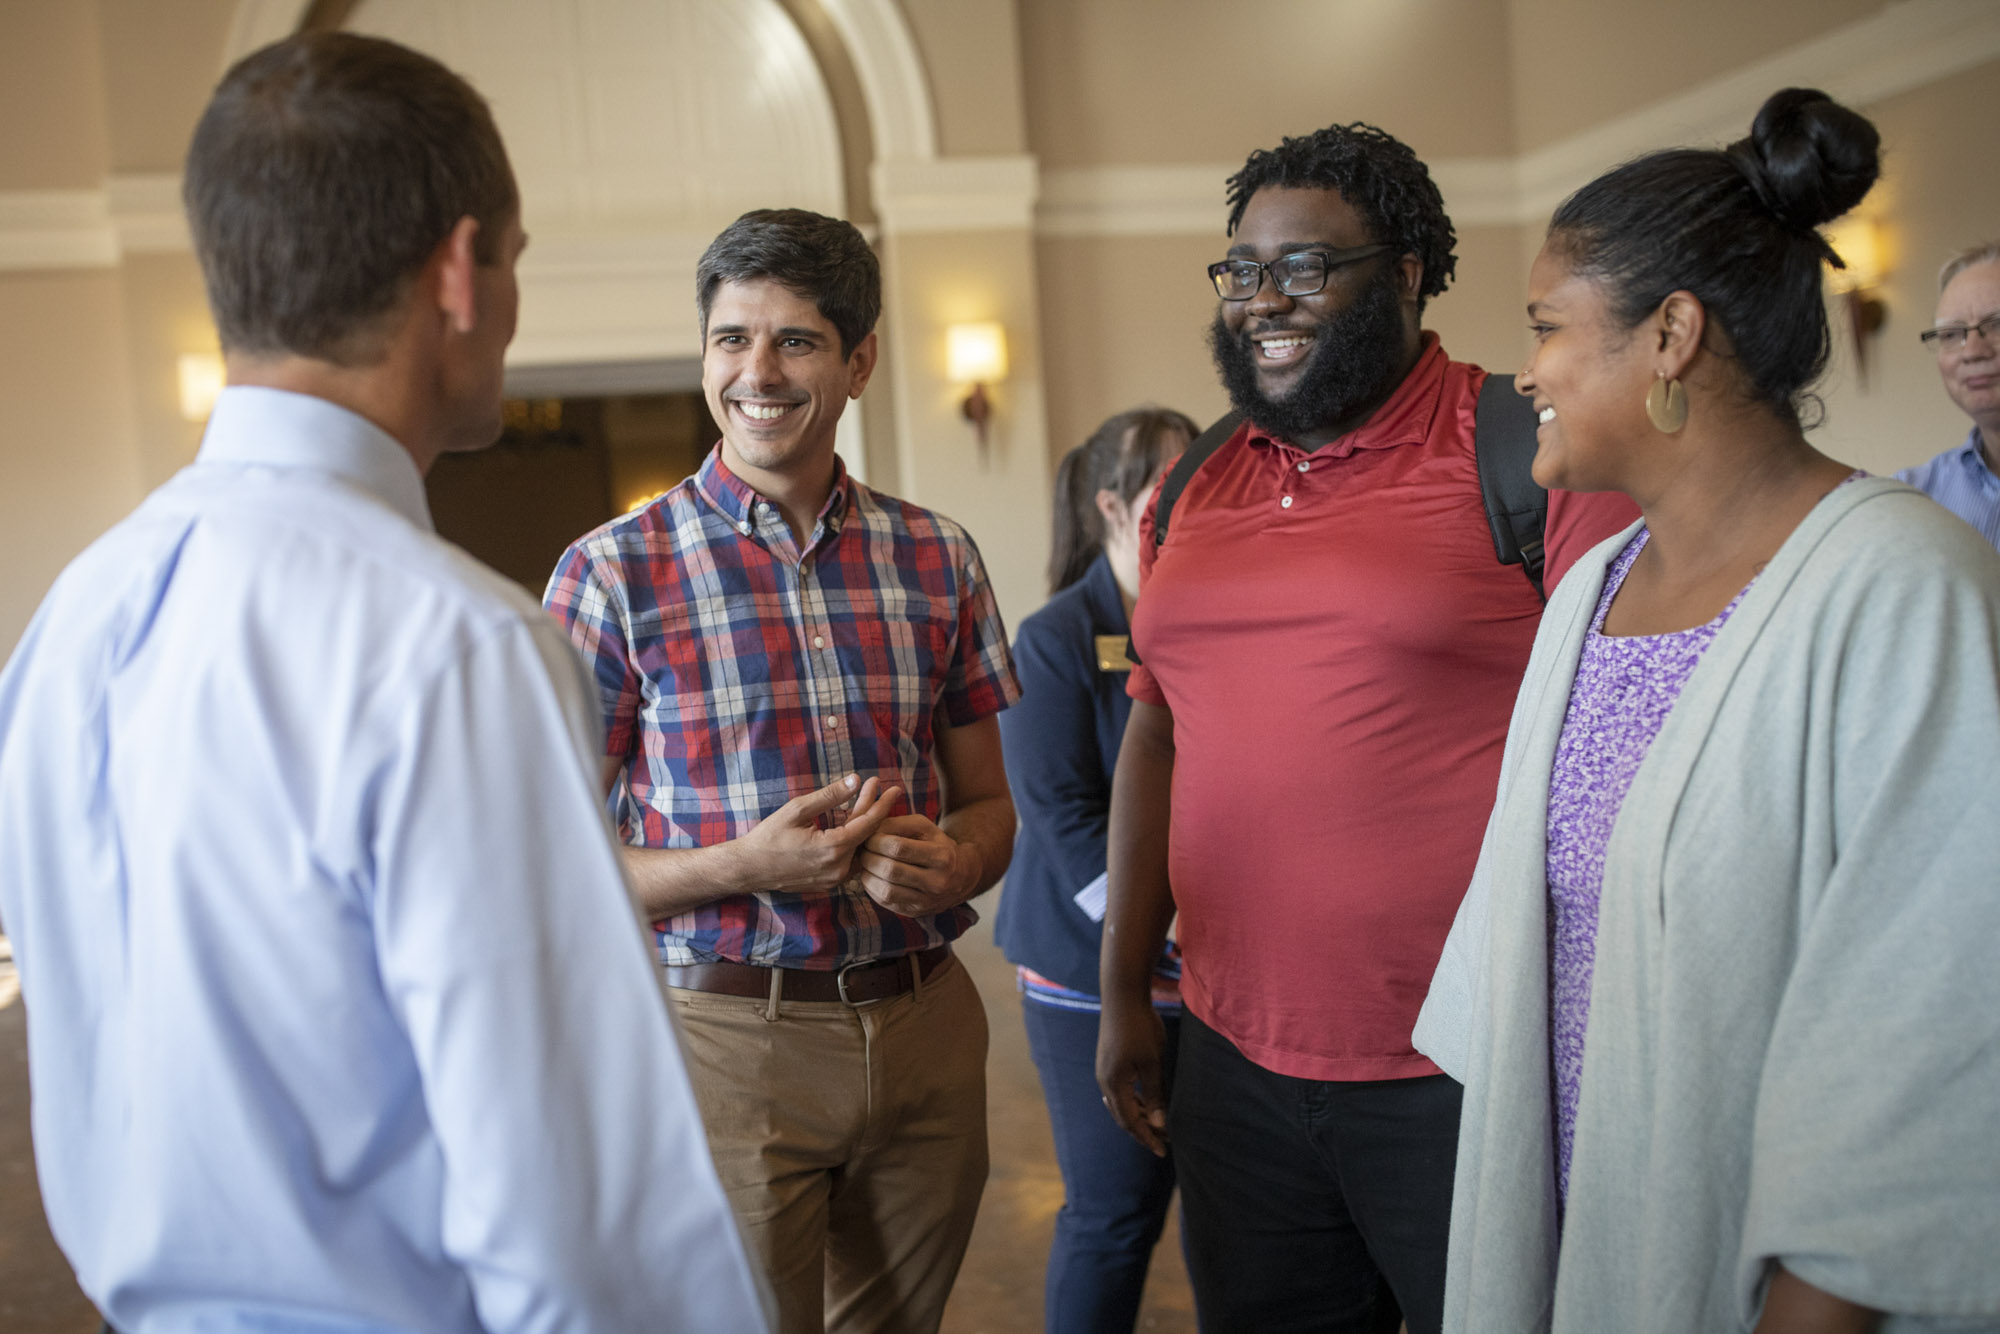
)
(275, 428)
(1973, 453)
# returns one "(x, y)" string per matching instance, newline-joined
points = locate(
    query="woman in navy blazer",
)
(1061, 743)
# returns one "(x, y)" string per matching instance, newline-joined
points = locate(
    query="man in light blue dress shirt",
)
(1966, 338)
(339, 1012)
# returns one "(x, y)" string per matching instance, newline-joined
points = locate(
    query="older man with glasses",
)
(1966, 338)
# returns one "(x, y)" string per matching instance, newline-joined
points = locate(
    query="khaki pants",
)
(852, 1142)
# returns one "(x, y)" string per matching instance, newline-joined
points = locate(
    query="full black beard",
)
(1354, 364)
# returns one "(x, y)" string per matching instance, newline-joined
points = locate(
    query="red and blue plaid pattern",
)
(737, 673)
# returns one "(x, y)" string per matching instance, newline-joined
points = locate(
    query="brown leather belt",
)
(855, 984)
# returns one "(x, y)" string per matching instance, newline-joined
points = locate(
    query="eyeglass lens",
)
(1301, 274)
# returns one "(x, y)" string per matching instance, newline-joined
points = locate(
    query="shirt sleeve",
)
(589, 601)
(1053, 764)
(578, 1194)
(1141, 685)
(982, 680)
(1578, 521)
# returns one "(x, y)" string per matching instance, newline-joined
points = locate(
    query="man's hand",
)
(915, 869)
(787, 850)
(1129, 1046)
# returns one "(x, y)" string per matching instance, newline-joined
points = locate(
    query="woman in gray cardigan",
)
(1722, 993)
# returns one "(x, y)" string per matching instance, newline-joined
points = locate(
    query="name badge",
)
(1111, 656)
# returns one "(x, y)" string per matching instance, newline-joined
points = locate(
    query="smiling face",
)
(1972, 372)
(776, 381)
(1307, 367)
(1588, 379)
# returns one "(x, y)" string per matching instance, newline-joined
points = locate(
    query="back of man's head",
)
(1378, 175)
(823, 259)
(325, 171)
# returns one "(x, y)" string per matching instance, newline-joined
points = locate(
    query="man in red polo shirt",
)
(1330, 651)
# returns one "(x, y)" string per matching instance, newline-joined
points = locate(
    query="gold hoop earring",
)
(1667, 405)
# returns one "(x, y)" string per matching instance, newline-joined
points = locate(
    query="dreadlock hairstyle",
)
(1737, 227)
(1122, 456)
(1375, 173)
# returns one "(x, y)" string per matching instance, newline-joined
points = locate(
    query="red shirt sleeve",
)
(1578, 521)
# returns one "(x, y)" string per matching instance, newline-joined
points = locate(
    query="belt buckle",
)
(840, 981)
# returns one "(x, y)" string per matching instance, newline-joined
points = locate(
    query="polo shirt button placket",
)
(1286, 503)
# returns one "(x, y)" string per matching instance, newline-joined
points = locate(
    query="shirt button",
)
(832, 723)
(1286, 503)
(744, 528)
(819, 641)
(1305, 467)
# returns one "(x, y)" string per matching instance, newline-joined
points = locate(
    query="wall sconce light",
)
(201, 383)
(976, 354)
(1857, 239)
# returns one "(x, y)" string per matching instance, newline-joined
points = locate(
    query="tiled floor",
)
(999, 1290)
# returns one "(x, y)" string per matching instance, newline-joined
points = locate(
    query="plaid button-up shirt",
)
(738, 672)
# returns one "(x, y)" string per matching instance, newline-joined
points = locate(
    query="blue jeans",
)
(1115, 1194)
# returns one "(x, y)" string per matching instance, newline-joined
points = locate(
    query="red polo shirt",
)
(1340, 650)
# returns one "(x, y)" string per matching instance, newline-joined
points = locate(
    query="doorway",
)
(562, 467)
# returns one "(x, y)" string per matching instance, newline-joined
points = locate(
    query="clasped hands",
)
(906, 863)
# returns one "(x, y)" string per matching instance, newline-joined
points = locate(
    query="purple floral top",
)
(1625, 687)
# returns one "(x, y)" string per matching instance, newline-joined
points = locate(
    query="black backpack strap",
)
(1183, 471)
(1517, 510)
(1186, 466)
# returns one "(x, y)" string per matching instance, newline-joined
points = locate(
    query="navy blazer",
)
(1061, 740)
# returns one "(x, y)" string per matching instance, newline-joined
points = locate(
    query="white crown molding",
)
(955, 194)
(56, 229)
(146, 212)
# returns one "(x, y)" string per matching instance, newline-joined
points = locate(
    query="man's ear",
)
(454, 264)
(1678, 326)
(861, 364)
(1410, 275)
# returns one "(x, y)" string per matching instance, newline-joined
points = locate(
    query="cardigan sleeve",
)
(1875, 1168)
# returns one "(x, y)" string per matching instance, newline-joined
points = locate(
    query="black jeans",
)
(1307, 1206)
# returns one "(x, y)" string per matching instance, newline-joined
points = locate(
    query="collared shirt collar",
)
(1974, 454)
(735, 498)
(275, 428)
(1405, 418)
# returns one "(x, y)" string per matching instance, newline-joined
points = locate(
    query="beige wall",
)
(51, 97)
(971, 54)
(1170, 81)
(68, 466)
(161, 61)
(1578, 63)
(929, 282)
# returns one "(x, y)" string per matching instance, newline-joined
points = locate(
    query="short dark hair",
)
(1737, 227)
(823, 259)
(1122, 455)
(324, 173)
(1376, 173)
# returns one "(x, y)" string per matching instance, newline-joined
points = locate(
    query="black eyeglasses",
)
(1951, 337)
(1299, 274)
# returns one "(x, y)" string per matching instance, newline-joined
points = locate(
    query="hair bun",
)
(1809, 158)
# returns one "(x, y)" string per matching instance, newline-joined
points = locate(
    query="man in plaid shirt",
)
(801, 679)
